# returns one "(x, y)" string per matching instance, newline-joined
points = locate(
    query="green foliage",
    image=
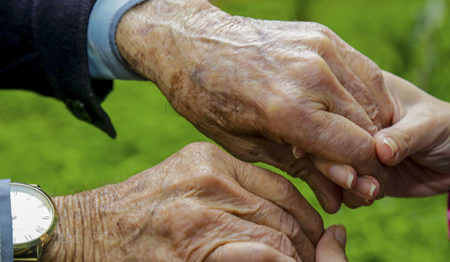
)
(43, 143)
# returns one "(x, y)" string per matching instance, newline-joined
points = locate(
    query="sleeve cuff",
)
(6, 242)
(105, 61)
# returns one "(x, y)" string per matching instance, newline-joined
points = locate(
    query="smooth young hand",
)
(417, 145)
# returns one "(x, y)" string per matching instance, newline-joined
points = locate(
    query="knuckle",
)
(405, 143)
(317, 26)
(376, 75)
(282, 242)
(324, 29)
(319, 74)
(200, 147)
(316, 62)
(288, 191)
(322, 42)
(203, 154)
(206, 177)
(292, 228)
(282, 111)
(205, 171)
(210, 181)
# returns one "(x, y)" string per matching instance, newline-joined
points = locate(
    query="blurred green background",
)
(41, 142)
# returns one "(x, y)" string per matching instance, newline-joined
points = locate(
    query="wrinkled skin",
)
(420, 139)
(260, 88)
(200, 204)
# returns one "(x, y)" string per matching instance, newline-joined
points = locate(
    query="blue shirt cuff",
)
(6, 240)
(105, 61)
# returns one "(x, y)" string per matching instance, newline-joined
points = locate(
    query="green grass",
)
(41, 142)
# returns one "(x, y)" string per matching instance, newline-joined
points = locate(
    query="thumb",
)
(410, 135)
(331, 247)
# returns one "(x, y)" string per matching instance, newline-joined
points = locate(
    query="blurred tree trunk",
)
(302, 10)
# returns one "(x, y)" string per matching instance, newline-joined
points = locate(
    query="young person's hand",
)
(417, 145)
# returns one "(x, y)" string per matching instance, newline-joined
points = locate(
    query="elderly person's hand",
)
(262, 88)
(331, 246)
(417, 146)
(200, 204)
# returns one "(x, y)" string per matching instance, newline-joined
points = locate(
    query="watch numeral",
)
(28, 237)
(45, 218)
(41, 205)
(39, 229)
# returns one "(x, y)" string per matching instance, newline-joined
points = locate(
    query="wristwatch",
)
(34, 220)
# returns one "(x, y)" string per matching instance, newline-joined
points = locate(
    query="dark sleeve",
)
(43, 48)
(6, 241)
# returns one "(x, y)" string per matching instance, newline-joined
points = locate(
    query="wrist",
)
(75, 235)
(158, 38)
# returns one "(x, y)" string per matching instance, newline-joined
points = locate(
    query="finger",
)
(332, 125)
(331, 247)
(341, 68)
(345, 176)
(369, 73)
(342, 175)
(258, 149)
(326, 90)
(239, 202)
(367, 187)
(281, 192)
(354, 199)
(327, 193)
(234, 229)
(410, 135)
(247, 252)
(333, 137)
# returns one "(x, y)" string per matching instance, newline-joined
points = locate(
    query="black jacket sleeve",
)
(43, 48)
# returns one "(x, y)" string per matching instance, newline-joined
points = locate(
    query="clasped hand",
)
(263, 88)
(200, 204)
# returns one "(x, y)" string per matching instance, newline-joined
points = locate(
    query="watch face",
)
(32, 213)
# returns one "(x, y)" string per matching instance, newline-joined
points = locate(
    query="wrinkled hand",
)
(417, 146)
(260, 88)
(200, 204)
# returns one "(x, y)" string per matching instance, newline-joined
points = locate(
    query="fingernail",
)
(340, 234)
(342, 176)
(366, 188)
(297, 152)
(350, 180)
(372, 189)
(393, 146)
